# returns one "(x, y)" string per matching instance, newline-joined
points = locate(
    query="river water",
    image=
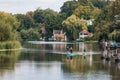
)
(47, 61)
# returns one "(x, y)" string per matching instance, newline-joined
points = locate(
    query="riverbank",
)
(11, 49)
(90, 41)
(10, 45)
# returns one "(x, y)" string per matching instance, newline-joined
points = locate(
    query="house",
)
(83, 34)
(58, 35)
(42, 32)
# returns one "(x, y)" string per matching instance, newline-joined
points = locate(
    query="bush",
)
(10, 45)
(89, 39)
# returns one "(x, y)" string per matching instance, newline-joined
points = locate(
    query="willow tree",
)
(73, 25)
(8, 31)
(8, 27)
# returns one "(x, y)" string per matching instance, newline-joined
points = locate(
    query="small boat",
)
(69, 54)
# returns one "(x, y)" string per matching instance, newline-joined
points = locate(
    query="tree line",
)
(71, 19)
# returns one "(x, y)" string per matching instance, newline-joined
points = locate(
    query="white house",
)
(85, 33)
(59, 35)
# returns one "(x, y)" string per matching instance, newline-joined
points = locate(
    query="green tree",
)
(38, 16)
(50, 21)
(87, 12)
(28, 24)
(101, 4)
(107, 24)
(69, 7)
(30, 34)
(26, 21)
(8, 27)
(73, 25)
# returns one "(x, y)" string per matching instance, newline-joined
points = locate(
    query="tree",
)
(38, 16)
(87, 12)
(101, 4)
(73, 25)
(8, 27)
(51, 21)
(69, 7)
(26, 21)
(107, 24)
(30, 34)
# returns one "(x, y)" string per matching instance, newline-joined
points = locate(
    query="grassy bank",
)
(9, 45)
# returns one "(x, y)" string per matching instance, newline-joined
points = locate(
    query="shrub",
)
(89, 39)
(10, 45)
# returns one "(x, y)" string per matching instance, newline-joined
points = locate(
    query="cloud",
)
(22, 6)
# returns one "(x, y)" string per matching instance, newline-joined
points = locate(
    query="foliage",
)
(38, 16)
(107, 24)
(8, 27)
(26, 21)
(87, 12)
(72, 17)
(10, 45)
(26, 24)
(72, 26)
(50, 21)
(69, 7)
(30, 34)
(101, 4)
(89, 38)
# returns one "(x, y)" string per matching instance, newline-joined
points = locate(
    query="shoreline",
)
(10, 49)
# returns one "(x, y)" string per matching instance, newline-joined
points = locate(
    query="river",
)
(47, 61)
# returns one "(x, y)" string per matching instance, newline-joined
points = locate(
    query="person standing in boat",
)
(84, 54)
(68, 52)
(115, 45)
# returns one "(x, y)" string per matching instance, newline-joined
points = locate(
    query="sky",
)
(22, 6)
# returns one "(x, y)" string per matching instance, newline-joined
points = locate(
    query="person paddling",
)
(84, 54)
(71, 51)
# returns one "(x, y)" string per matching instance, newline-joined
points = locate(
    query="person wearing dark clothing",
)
(71, 50)
(84, 53)
(115, 45)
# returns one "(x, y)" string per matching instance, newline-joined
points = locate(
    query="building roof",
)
(56, 31)
(87, 33)
(84, 32)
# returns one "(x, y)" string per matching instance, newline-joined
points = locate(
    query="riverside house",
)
(58, 35)
(83, 34)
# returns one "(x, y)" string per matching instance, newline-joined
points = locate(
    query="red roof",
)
(84, 32)
(87, 33)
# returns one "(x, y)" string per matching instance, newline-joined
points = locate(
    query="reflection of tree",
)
(8, 59)
(80, 65)
(59, 47)
(38, 56)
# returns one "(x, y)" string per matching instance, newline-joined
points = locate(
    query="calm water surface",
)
(47, 61)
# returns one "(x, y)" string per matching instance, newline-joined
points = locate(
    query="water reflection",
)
(48, 62)
(8, 58)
